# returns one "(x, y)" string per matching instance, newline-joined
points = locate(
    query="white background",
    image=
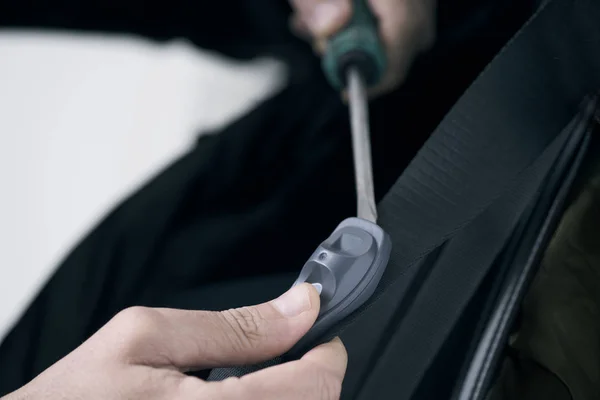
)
(84, 120)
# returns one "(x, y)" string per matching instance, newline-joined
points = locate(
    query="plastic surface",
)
(348, 266)
(357, 45)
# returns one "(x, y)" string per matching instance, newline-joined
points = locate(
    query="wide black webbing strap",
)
(457, 203)
(466, 190)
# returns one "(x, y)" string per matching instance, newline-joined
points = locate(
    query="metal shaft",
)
(361, 145)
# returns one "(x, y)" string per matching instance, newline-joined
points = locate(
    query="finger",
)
(318, 375)
(200, 339)
(392, 19)
(396, 35)
(406, 28)
(300, 29)
(331, 356)
(323, 17)
(402, 21)
(304, 6)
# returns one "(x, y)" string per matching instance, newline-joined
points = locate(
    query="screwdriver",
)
(348, 266)
(355, 59)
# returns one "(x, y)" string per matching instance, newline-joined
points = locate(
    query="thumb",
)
(202, 339)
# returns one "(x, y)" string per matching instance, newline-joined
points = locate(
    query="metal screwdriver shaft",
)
(361, 145)
(355, 58)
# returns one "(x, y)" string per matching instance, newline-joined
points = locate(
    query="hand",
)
(142, 354)
(407, 28)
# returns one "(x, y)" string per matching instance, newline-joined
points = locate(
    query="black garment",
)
(268, 188)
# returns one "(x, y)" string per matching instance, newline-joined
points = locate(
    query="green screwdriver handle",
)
(358, 45)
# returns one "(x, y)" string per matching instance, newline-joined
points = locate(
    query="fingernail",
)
(318, 287)
(325, 15)
(293, 302)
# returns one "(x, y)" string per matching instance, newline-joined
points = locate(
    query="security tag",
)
(347, 267)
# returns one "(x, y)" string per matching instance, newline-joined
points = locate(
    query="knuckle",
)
(188, 388)
(246, 326)
(136, 324)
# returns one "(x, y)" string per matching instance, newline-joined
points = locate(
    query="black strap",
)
(521, 258)
(451, 212)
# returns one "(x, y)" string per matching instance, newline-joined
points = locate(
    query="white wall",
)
(83, 121)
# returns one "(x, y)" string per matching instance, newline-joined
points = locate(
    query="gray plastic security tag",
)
(348, 266)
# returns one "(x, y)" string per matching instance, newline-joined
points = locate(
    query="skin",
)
(407, 28)
(142, 353)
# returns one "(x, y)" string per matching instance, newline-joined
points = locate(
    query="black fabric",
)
(269, 187)
(456, 206)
